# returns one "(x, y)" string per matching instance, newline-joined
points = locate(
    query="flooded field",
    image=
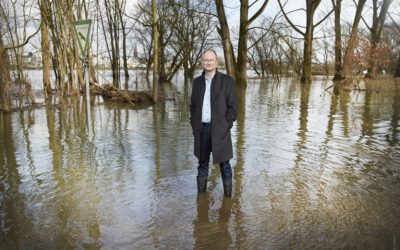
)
(312, 169)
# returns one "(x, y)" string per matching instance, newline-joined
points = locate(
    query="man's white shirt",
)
(206, 114)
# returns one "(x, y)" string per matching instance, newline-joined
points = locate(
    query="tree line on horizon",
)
(265, 40)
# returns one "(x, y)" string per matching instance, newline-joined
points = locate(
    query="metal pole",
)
(89, 119)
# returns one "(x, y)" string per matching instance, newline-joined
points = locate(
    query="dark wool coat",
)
(223, 114)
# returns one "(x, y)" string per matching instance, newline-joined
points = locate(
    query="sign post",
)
(82, 31)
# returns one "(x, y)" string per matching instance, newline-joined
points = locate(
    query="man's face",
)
(209, 61)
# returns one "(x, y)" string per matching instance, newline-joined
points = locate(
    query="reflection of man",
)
(212, 113)
(212, 233)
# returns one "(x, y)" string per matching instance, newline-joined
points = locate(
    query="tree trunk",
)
(224, 32)
(124, 55)
(55, 42)
(376, 33)
(307, 56)
(92, 69)
(397, 70)
(312, 6)
(241, 65)
(352, 41)
(46, 57)
(5, 79)
(120, 8)
(155, 53)
(113, 30)
(338, 42)
(74, 60)
(162, 72)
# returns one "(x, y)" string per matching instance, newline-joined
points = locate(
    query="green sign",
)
(82, 31)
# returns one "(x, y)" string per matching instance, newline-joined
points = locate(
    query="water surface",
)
(312, 169)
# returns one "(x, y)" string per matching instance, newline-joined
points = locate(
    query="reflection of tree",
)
(332, 112)
(238, 169)
(325, 150)
(395, 123)
(367, 116)
(57, 151)
(305, 93)
(26, 126)
(299, 198)
(344, 106)
(13, 215)
(74, 169)
(157, 134)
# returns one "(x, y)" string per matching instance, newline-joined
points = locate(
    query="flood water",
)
(312, 169)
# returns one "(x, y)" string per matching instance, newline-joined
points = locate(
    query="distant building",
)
(29, 60)
(102, 61)
(133, 62)
(33, 60)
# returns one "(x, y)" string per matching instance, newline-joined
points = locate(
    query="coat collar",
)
(215, 84)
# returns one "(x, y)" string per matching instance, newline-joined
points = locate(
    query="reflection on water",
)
(312, 169)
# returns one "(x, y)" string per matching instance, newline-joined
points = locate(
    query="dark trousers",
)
(205, 150)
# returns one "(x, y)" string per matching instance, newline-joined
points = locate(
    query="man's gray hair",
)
(211, 50)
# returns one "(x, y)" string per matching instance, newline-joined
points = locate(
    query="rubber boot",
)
(227, 187)
(201, 184)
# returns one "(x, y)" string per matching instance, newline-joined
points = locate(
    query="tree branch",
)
(24, 43)
(323, 19)
(396, 25)
(258, 13)
(289, 21)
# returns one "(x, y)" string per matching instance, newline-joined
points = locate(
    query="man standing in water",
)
(212, 113)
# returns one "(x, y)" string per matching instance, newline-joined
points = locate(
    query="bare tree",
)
(308, 35)
(194, 29)
(268, 52)
(184, 30)
(155, 53)
(337, 4)
(111, 33)
(19, 18)
(143, 34)
(14, 45)
(378, 21)
(5, 78)
(121, 6)
(46, 55)
(58, 17)
(237, 68)
(352, 40)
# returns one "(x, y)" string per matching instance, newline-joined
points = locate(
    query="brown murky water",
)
(312, 169)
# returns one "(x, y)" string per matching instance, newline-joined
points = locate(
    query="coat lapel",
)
(215, 86)
(202, 88)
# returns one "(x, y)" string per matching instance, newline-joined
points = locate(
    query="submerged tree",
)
(308, 35)
(16, 31)
(5, 78)
(184, 30)
(155, 53)
(111, 26)
(270, 49)
(45, 13)
(337, 4)
(194, 28)
(351, 44)
(378, 21)
(237, 68)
